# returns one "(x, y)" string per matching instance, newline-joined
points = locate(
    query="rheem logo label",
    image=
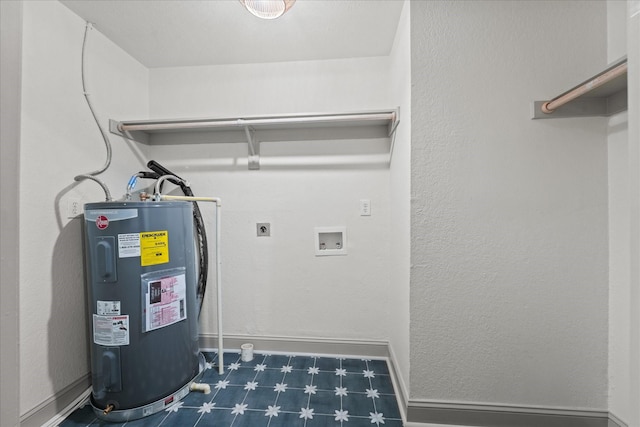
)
(102, 222)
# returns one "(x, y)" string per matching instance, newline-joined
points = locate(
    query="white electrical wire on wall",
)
(92, 175)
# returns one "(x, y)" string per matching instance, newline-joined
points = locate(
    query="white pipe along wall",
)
(218, 258)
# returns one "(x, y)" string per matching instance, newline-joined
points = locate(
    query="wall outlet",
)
(74, 208)
(263, 229)
(365, 207)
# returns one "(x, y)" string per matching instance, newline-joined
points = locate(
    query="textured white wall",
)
(400, 193)
(59, 141)
(273, 88)
(633, 45)
(10, 67)
(619, 229)
(276, 286)
(616, 29)
(509, 215)
(619, 265)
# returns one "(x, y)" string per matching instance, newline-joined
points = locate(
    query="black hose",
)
(201, 235)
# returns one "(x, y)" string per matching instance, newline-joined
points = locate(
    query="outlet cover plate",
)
(74, 208)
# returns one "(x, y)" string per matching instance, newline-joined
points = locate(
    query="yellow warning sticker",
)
(154, 247)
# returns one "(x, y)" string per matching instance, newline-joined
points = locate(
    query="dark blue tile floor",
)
(278, 391)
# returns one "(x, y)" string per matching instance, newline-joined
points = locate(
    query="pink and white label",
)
(165, 302)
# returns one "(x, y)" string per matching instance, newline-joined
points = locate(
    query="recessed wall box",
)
(331, 241)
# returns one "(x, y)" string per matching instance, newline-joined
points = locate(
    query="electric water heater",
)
(141, 277)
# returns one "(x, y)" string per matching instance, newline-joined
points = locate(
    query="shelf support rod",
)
(599, 80)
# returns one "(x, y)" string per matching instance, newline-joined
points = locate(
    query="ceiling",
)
(170, 33)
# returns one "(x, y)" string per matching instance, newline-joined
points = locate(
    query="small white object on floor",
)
(246, 352)
(205, 388)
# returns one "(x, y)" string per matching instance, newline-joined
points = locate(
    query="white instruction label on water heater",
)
(108, 308)
(111, 330)
(128, 245)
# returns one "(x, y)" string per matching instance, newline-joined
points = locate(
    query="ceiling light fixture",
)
(267, 9)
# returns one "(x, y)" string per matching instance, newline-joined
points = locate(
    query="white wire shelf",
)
(244, 129)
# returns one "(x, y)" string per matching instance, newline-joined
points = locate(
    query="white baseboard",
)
(612, 422)
(615, 421)
(428, 413)
(402, 393)
(301, 345)
(409, 424)
(79, 402)
(54, 406)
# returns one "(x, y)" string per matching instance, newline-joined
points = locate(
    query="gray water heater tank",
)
(140, 261)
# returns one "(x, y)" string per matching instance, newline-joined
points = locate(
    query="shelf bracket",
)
(253, 145)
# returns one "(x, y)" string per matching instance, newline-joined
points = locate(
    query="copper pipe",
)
(588, 86)
(110, 407)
